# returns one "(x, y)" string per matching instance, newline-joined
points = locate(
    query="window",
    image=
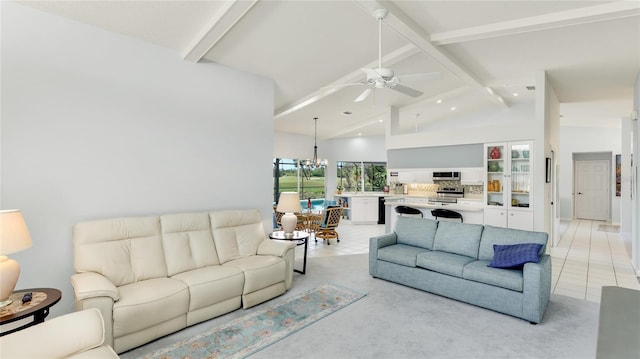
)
(362, 176)
(290, 176)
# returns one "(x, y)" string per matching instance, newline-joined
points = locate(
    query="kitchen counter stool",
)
(446, 213)
(408, 210)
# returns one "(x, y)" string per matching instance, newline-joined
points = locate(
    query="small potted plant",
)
(339, 189)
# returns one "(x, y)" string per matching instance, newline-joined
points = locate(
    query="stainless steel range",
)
(447, 195)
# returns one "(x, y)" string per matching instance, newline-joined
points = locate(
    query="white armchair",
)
(76, 335)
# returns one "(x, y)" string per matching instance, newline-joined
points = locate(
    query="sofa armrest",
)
(60, 337)
(275, 247)
(90, 285)
(376, 243)
(536, 288)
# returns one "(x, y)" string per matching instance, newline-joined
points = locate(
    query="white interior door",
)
(592, 190)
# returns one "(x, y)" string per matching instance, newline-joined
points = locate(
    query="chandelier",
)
(315, 162)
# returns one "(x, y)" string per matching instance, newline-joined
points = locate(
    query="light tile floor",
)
(590, 255)
(587, 257)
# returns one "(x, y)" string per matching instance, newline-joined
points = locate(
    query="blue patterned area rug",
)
(253, 332)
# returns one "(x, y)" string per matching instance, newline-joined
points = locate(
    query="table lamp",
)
(288, 204)
(14, 237)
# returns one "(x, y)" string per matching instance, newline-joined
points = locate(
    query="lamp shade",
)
(14, 235)
(289, 202)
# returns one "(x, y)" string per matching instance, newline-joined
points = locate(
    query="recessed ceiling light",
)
(359, 133)
(439, 101)
(453, 108)
(380, 121)
(515, 94)
(347, 113)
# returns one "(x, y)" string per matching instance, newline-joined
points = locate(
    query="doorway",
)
(592, 186)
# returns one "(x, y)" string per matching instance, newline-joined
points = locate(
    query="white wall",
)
(97, 125)
(635, 204)
(492, 124)
(580, 140)
(548, 113)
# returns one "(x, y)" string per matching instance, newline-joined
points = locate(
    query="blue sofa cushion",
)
(413, 231)
(442, 262)
(478, 271)
(458, 238)
(515, 255)
(497, 235)
(400, 254)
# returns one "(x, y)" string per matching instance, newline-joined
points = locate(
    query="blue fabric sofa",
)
(451, 259)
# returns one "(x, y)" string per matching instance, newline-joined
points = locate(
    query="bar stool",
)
(446, 213)
(408, 210)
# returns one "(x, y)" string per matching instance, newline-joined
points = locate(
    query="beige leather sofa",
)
(151, 276)
(78, 335)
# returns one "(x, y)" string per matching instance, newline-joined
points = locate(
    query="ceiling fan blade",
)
(363, 95)
(422, 76)
(407, 90)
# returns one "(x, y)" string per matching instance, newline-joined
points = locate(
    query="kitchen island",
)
(471, 209)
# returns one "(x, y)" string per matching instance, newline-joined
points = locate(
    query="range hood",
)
(446, 176)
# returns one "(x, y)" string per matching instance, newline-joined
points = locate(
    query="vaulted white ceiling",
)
(485, 52)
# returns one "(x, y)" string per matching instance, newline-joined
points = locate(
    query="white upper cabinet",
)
(472, 176)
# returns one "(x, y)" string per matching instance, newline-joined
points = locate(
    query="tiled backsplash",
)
(428, 189)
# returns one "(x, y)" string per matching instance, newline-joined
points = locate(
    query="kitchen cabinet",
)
(472, 176)
(364, 209)
(508, 184)
(513, 218)
(415, 177)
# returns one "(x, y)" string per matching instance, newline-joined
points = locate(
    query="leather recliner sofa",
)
(152, 276)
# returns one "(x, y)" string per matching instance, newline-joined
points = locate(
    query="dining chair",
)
(327, 229)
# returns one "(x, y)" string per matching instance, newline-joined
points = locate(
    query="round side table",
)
(41, 300)
(303, 239)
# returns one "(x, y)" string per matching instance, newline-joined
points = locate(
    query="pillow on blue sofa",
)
(514, 255)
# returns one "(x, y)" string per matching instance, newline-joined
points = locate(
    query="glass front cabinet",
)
(509, 184)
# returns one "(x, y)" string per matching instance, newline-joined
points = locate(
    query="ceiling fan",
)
(384, 77)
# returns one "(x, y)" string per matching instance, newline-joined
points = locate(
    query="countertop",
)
(362, 194)
(464, 204)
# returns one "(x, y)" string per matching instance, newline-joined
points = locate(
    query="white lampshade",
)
(14, 237)
(289, 203)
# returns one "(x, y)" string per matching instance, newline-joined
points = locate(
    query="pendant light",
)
(315, 162)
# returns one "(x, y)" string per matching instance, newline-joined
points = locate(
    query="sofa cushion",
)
(212, 285)
(515, 255)
(125, 250)
(497, 235)
(187, 242)
(260, 271)
(400, 254)
(237, 233)
(147, 303)
(478, 271)
(458, 238)
(443, 262)
(415, 231)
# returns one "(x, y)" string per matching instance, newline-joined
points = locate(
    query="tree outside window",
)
(362, 176)
(290, 176)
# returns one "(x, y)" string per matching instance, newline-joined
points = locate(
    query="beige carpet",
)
(395, 321)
